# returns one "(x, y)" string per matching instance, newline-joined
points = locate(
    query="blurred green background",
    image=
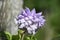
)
(51, 11)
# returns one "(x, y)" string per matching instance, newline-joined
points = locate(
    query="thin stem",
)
(21, 34)
(23, 37)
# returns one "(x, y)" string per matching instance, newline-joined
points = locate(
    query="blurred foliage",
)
(3, 36)
(15, 37)
(42, 5)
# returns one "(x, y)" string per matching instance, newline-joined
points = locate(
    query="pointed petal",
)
(30, 17)
(39, 14)
(20, 16)
(43, 21)
(33, 11)
(27, 10)
(41, 17)
(24, 13)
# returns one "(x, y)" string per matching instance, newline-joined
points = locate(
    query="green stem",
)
(21, 34)
(23, 37)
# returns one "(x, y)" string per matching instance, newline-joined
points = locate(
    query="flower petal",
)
(34, 32)
(34, 26)
(24, 13)
(22, 25)
(33, 12)
(39, 14)
(26, 18)
(27, 10)
(20, 16)
(26, 23)
(22, 20)
(29, 22)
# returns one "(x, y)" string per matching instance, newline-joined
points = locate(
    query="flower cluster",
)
(30, 20)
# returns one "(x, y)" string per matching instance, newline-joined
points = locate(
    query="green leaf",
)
(9, 36)
(21, 31)
(28, 38)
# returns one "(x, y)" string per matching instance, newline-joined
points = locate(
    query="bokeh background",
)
(51, 11)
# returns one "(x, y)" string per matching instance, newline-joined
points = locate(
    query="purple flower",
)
(30, 20)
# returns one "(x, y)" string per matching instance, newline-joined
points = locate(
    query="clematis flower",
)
(30, 20)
